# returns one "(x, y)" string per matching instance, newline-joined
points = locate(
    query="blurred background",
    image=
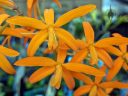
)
(110, 16)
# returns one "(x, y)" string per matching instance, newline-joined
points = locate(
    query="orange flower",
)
(49, 29)
(120, 61)
(58, 68)
(96, 49)
(99, 88)
(33, 5)
(4, 63)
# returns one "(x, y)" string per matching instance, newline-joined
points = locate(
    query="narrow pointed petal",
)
(66, 37)
(57, 76)
(8, 3)
(125, 66)
(105, 57)
(79, 56)
(30, 3)
(75, 13)
(68, 78)
(93, 91)
(35, 10)
(35, 61)
(123, 47)
(6, 66)
(115, 69)
(114, 84)
(8, 52)
(49, 16)
(89, 32)
(77, 67)
(111, 41)
(36, 41)
(109, 90)
(94, 56)
(15, 32)
(82, 90)
(113, 50)
(61, 55)
(98, 79)
(82, 77)
(101, 92)
(81, 44)
(29, 22)
(58, 3)
(41, 74)
(3, 17)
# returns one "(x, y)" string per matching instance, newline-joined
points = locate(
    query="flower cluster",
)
(60, 42)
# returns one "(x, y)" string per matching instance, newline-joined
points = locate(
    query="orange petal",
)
(61, 55)
(115, 69)
(111, 41)
(29, 22)
(30, 3)
(35, 61)
(75, 13)
(113, 50)
(36, 41)
(49, 16)
(68, 78)
(89, 32)
(109, 90)
(116, 35)
(82, 77)
(94, 56)
(105, 57)
(15, 32)
(58, 3)
(5, 65)
(66, 37)
(101, 92)
(77, 67)
(93, 91)
(8, 52)
(8, 3)
(82, 90)
(41, 74)
(123, 47)
(57, 77)
(114, 84)
(81, 44)
(79, 56)
(98, 79)
(125, 66)
(3, 17)
(35, 9)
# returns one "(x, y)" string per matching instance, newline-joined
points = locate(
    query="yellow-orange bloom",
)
(99, 88)
(50, 30)
(96, 49)
(59, 69)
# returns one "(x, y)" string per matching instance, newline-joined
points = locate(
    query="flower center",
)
(52, 40)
